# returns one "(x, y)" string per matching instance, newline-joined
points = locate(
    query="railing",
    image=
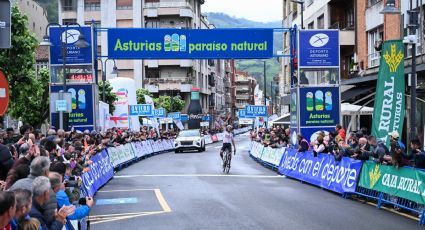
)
(342, 25)
(242, 88)
(167, 4)
(242, 97)
(373, 59)
(168, 81)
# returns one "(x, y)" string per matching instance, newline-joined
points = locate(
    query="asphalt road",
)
(189, 191)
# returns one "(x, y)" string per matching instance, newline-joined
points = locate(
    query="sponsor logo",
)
(319, 40)
(70, 36)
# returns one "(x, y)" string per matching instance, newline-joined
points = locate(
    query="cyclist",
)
(228, 141)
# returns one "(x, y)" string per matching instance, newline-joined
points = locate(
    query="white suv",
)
(189, 140)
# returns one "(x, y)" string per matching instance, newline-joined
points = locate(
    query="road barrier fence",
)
(398, 187)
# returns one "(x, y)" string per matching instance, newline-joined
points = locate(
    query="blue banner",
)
(323, 170)
(256, 111)
(145, 110)
(175, 115)
(101, 171)
(82, 115)
(159, 113)
(319, 48)
(184, 117)
(319, 106)
(139, 43)
(206, 118)
(74, 54)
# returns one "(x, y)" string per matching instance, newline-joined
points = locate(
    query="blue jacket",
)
(80, 212)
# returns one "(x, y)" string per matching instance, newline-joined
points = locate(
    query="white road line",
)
(199, 175)
(217, 147)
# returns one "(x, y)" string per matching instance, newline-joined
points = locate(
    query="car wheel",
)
(176, 151)
(203, 148)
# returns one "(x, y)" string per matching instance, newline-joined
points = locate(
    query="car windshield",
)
(189, 133)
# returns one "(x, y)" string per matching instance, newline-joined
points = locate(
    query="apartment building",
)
(37, 16)
(160, 77)
(245, 85)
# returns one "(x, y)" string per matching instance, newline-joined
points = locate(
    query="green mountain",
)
(255, 67)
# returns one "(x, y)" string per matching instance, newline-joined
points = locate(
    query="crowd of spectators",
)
(40, 174)
(357, 145)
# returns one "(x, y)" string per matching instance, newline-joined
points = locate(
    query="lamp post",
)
(301, 2)
(81, 43)
(114, 71)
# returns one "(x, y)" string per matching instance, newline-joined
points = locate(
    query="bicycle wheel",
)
(224, 160)
(228, 161)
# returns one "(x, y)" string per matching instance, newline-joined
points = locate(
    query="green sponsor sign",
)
(403, 182)
(388, 112)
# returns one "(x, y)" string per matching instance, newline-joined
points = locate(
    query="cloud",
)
(256, 10)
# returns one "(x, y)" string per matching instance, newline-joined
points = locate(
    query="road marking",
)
(129, 200)
(199, 175)
(217, 147)
(94, 221)
(162, 201)
(128, 190)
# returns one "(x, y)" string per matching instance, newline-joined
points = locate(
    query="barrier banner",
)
(160, 145)
(257, 149)
(137, 149)
(214, 138)
(404, 182)
(220, 136)
(101, 170)
(149, 146)
(208, 139)
(120, 154)
(323, 170)
(272, 155)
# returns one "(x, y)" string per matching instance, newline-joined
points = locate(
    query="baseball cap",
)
(394, 134)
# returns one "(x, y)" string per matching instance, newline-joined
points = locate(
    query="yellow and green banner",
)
(404, 182)
(388, 112)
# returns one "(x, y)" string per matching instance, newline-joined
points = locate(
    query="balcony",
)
(242, 97)
(176, 4)
(155, 9)
(240, 105)
(242, 88)
(242, 79)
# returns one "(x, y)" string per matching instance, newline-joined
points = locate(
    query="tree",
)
(161, 102)
(28, 93)
(110, 97)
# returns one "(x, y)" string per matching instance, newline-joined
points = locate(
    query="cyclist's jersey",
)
(228, 137)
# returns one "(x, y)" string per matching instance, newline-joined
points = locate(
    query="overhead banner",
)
(318, 48)
(256, 111)
(388, 113)
(83, 106)
(323, 170)
(139, 43)
(403, 182)
(69, 36)
(5, 24)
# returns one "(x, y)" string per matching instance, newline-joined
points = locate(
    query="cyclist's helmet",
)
(229, 127)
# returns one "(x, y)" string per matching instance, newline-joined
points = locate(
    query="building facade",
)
(160, 77)
(37, 16)
(362, 30)
(245, 85)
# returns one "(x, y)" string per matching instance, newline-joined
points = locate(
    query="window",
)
(69, 21)
(124, 5)
(69, 5)
(311, 25)
(92, 5)
(96, 23)
(374, 37)
(321, 22)
(372, 2)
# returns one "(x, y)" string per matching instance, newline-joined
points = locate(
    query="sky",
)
(256, 10)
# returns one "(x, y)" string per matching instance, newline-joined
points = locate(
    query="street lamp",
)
(301, 2)
(81, 43)
(390, 8)
(114, 72)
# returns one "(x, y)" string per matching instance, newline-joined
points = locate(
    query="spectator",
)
(417, 154)
(302, 144)
(30, 224)
(23, 207)
(39, 167)
(41, 194)
(319, 147)
(63, 200)
(340, 130)
(394, 138)
(6, 161)
(7, 209)
(398, 158)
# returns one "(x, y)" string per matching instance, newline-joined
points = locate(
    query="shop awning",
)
(349, 109)
(353, 92)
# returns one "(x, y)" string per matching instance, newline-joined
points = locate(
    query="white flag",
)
(149, 101)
